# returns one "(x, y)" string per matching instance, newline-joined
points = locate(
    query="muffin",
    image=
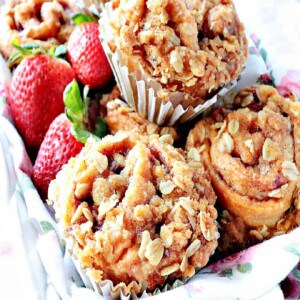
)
(173, 52)
(40, 22)
(92, 6)
(121, 117)
(135, 212)
(251, 150)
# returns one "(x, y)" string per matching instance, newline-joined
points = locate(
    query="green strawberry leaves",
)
(32, 49)
(73, 103)
(60, 51)
(27, 48)
(80, 18)
(80, 135)
(15, 59)
(23, 51)
(77, 112)
(100, 128)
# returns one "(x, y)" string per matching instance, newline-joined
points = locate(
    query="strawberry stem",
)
(26, 50)
(76, 110)
(80, 18)
(60, 51)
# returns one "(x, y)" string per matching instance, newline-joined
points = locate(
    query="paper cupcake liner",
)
(91, 6)
(105, 288)
(108, 290)
(141, 92)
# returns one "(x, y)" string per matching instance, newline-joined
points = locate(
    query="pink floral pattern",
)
(266, 79)
(4, 89)
(5, 110)
(6, 249)
(193, 288)
(2, 92)
(291, 285)
(25, 164)
(255, 39)
(290, 83)
(234, 260)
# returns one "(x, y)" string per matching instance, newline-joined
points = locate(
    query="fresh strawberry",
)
(58, 147)
(65, 137)
(36, 95)
(84, 51)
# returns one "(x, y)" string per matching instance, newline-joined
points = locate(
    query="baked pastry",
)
(252, 154)
(121, 117)
(97, 3)
(135, 211)
(188, 47)
(42, 22)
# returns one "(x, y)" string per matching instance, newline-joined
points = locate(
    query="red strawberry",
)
(57, 148)
(84, 51)
(65, 136)
(36, 99)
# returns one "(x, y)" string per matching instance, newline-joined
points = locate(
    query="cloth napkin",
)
(33, 260)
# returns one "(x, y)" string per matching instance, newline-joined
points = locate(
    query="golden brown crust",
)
(42, 22)
(194, 47)
(252, 155)
(120, 117)
(136, 210)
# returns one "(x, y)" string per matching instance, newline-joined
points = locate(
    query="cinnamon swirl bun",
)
(251, 150)
(43, 22)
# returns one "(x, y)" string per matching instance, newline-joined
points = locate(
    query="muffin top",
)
(254, 144)
(136, 210)
(43, 22)
(251, 150)
(193, 47)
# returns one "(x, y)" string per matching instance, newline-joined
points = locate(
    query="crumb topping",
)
(252, 155)
(136, 210)
(188, 46)
(35, 21)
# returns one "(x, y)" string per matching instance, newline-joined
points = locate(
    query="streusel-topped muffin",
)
(136, 211)
(193, 47)
(43, 22)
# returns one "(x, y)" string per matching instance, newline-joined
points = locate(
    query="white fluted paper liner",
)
(91, 6)
(107, 289)
(141, 91)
